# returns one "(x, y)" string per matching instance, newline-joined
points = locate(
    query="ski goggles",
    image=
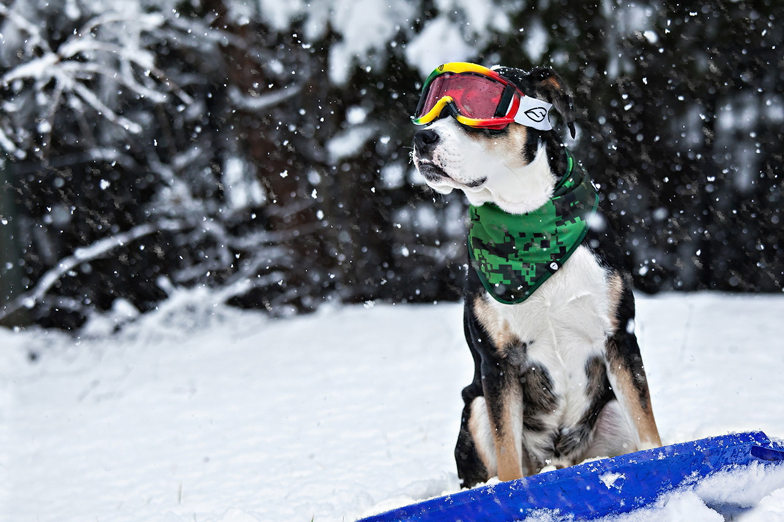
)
(478, 97)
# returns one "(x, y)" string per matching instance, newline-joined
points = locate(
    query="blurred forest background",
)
(262, 147)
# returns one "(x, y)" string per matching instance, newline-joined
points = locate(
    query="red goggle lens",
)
(475, 96)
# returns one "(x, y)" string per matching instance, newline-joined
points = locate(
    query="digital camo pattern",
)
(515, 253)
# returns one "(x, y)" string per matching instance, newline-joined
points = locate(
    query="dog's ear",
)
(550, 87)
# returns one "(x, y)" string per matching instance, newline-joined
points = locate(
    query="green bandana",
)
(515, 253)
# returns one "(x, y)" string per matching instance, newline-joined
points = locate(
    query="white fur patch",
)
(482, 433)
(489, 168)
(613, 435)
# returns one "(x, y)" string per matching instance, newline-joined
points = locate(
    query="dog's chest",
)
(563, 324)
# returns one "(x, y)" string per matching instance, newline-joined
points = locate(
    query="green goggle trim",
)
(514, 254)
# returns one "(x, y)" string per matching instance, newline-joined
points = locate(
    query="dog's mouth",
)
(476, 184)
(433, 173)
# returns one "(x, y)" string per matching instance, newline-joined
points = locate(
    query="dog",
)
(558, 376)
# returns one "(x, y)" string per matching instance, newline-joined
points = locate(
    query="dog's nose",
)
(425, 140)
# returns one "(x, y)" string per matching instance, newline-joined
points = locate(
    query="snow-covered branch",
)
(35, 39)
(81, 255)
(71, 67)
(92, 100)
(10, 146)
(242, 286)
(76, 68)
(262, 101)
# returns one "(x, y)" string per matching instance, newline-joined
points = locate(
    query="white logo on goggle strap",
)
(536, 114)
(533, 113)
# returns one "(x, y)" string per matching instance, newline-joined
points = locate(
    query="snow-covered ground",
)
(202, 413)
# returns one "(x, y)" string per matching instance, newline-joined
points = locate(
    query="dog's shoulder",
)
(605, 244)
(606, 247)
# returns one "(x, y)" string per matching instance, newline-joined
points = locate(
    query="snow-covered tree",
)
(263, 147)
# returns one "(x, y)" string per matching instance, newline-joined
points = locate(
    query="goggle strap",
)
(503, 104)
(534, 113)
(421, 103)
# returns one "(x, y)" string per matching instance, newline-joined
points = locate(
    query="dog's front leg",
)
(503, 396)
(627, 376)
(628, 381)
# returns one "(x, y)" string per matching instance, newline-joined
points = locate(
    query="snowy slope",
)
(204, 413)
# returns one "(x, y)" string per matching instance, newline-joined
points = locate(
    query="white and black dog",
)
(558, 377)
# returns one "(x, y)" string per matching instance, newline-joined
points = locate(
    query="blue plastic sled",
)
(595, 489)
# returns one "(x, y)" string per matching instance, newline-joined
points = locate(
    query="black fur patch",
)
(570, 441)
(599, 393)
(532, 142)
(470, 468)
(538, 397)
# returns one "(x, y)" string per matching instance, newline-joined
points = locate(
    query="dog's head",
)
(513, 167)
